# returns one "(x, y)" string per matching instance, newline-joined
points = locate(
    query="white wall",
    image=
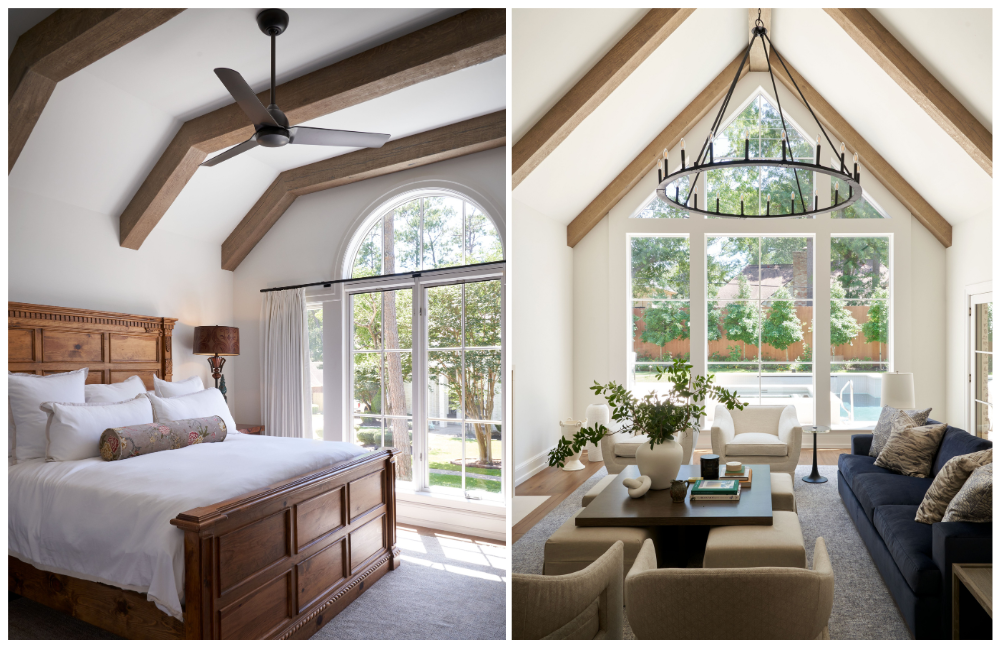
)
(541, 345)
(308, 244)
(591, 341)
(968, 261)
(63, 255)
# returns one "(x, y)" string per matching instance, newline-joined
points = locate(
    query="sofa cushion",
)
(854, 465)
(756, 444)
(874, 490)
(956, 442)
(911, 545)
(628, 447)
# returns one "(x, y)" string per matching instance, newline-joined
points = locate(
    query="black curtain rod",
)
(409, 274)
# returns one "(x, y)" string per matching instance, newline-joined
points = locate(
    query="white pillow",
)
(74, 430)
(196, 405)
(177, 388)
(112, 393)
(25, 394)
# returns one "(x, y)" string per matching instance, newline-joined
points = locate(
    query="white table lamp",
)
(897, 390)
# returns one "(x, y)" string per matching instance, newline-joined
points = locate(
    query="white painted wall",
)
(308, 244)
(541, 346)
(968, 261)
(64, 255)
(591, 343)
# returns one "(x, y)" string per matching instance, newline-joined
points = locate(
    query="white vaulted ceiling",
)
(105, 127)
(955, 45)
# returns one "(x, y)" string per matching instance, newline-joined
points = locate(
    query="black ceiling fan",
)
(271, 125)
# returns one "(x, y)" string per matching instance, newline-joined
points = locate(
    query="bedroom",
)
(130, 258)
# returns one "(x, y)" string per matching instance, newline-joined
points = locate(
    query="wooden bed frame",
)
(277, 563)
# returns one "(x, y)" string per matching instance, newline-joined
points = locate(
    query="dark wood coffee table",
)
(614, 507)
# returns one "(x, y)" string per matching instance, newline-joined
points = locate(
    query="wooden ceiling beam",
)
(445, 143)
(467, 39)
(645, 161)
(595, 86)
(918, 83)
(874, 163)
(758, 57)
(65, 42)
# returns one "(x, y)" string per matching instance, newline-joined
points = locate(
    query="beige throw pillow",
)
(974, 502)
(947, 484)
(889, 414)
(910, 448)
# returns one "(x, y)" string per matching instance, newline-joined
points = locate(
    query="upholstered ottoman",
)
(780, 544)
(782, 492)
(597, 489)
(572, 548)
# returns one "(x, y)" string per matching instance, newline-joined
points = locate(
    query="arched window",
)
(425, 230)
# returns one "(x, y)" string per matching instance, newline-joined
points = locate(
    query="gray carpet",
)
(862, 605)
(445, 588)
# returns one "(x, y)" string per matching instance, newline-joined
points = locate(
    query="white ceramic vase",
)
(569, 429)
(597, 414)
(661, 463)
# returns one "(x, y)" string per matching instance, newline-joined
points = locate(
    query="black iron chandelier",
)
(705, 160)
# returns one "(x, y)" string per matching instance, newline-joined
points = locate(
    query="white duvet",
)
(110, 521)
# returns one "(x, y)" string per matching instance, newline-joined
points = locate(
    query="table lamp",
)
(897, 390)
(219, 341)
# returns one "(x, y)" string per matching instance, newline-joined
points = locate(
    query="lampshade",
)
(217, 339)
(897, 390)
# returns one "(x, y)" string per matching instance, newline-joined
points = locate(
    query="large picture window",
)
(661, 305)
(759, 315)
(426, 352)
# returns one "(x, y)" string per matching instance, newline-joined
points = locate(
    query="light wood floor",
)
(558, 484)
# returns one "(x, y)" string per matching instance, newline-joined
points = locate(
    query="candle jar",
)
(710, 466)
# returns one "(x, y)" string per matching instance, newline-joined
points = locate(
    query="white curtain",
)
(284, 377)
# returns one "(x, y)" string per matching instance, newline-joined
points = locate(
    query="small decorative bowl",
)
(678, 491)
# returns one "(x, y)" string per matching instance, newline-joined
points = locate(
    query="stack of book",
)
(716, 490)
(744, 476)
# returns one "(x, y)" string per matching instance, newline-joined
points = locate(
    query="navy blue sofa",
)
(914, 559)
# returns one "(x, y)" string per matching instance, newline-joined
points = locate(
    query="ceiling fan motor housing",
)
(272, 136)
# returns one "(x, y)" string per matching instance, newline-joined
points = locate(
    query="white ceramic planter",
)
(661, 463)
(569, 429)
(597, 414)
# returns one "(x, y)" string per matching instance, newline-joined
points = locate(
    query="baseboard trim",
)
(489, 525)
(530, 467)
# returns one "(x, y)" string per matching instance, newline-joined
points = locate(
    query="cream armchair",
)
(586, 604)
(619, 449)
(745, 603)
(758, 434)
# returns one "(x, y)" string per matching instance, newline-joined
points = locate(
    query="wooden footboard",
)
(281, 562)
(277, 563)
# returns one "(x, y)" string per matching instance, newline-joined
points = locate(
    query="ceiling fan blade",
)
(334, 138)
(229, 153)
(245, 97)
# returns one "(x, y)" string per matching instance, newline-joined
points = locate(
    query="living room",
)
(821, 323)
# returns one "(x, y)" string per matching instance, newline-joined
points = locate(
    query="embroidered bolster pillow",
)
(124, 442)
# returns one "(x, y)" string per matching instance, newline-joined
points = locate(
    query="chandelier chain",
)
(784, 129)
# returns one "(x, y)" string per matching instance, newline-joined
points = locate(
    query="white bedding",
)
(109, 522)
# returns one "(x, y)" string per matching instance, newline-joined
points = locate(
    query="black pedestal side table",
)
(815, 477)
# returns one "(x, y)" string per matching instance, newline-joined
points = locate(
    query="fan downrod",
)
(272, 21)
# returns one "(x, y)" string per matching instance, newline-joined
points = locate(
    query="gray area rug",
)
(445, 588)
(863, 608)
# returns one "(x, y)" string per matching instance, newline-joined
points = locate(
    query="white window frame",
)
(975, 294)
(337, 322)
(622, 227)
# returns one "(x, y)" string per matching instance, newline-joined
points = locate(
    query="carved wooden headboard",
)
(46, 340)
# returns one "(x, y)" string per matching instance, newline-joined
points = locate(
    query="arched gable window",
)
(430, 229)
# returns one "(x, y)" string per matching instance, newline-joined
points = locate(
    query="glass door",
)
(981, 376)
(464, 388)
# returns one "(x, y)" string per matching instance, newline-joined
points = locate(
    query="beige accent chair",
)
(758, 434)
(582, 605)
(619, 449)
(749, 603)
